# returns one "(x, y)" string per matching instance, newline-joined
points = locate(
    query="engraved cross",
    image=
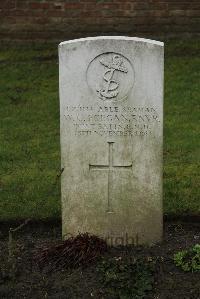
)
(110, 168)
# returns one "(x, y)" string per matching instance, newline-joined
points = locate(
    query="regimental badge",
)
(110, 76)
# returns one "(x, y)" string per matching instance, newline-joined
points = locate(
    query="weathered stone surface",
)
(111, 111)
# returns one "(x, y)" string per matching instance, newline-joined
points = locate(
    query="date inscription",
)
(111, 120)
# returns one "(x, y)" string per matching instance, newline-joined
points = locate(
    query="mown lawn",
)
(29, 131)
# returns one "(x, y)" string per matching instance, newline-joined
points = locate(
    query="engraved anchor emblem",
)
(110, 89)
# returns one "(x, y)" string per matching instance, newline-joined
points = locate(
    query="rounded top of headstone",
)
(121, 38)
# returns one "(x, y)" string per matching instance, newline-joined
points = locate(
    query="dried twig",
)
(10, 237)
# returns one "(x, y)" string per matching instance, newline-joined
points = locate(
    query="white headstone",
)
(111, 114)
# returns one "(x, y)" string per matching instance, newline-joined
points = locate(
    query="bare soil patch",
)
(22, 278)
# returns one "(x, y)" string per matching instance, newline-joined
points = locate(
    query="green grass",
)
(181, 128)
(29, 132)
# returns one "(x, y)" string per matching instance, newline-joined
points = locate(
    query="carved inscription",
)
(111, 120)
(110, 168)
